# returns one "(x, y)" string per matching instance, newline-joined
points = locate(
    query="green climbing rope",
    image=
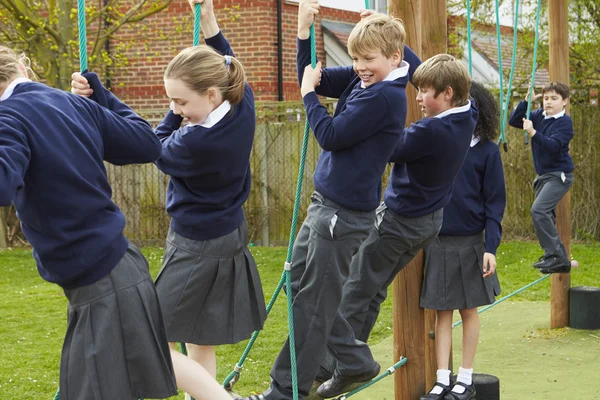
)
(469, 47)
(197, 11)
(83, 60)
(286, 277)
(533, 66)
(506, 297)
(387, 373)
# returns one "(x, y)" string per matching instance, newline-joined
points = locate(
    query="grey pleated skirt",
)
(453, 277)
(116, 345)
(210, 291)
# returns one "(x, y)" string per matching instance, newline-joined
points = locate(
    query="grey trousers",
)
(549, 189)
(392, 243)
(326, 243)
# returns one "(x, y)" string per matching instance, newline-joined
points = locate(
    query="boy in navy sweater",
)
(357, 143)
(52, 148)
(426, 162)
(551, 130)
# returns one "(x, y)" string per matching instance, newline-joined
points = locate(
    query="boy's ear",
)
(397, 58)
(449, 94)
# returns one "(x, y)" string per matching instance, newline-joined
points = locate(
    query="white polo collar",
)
(11, 87)
(455, 110)
(555, 116)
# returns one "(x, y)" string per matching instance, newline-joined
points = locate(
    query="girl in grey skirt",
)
(460, 264)
(209, 287)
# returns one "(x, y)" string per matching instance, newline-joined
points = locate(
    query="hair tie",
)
(227, 60)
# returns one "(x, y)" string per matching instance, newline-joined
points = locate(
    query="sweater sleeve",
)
(176, 158)
(168, 125)
(333, 80)
(125, 134)
(494, 197)
(560, 135)
(14, 159)
(413, 61)
(360, 119)
(221, 44)
(415, 142)
(516, 118)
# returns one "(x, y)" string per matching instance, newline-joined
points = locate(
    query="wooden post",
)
(3, 238)
(559, 71)
(434, 40)
(408, 317)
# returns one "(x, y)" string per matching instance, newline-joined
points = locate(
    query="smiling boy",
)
(551, 130)
(357, 142)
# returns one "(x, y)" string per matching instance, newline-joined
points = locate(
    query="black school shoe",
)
(554, 262)
(431, 396)
(341, 384)
(468, 394)
(540, 262)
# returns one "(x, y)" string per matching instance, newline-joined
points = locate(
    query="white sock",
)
(443, 377)
(465, 376)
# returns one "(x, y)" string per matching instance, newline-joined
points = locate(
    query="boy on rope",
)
(551, 130)
(357, 142)
(426, 161)
(52, 148)
(460, 263)
(209, 287)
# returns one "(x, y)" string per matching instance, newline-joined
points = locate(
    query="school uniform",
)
(453, 277)
(52, 148)
(356, 144)
(554, 167)
(209, 286)
(426, 161)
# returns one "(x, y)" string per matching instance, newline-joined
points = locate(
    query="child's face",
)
(188, 103)
(431, 105)
(374, 67)
(553, 103)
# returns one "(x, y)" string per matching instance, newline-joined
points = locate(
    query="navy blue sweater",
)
(427, 159)
(479, 197)
(52, 147)
(358, 140)
(209, 167)
(550, 144)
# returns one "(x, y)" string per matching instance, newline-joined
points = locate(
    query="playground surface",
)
(531, 361)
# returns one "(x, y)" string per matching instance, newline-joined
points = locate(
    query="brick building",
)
(252, 28)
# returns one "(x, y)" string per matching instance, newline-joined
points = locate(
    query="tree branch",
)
(22, 12)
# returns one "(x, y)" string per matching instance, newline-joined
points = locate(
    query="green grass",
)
(33, 315)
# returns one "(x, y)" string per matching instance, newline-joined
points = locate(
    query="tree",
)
(47, 31)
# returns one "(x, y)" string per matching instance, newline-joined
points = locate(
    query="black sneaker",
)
(341, 384)
(558, 269)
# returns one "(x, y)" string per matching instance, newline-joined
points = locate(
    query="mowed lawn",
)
(33, 315)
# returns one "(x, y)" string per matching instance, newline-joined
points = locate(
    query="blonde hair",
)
(377, 32)
(441, 71)
(201, 68)
(10, 65)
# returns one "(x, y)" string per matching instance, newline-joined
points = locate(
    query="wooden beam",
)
(559, 71)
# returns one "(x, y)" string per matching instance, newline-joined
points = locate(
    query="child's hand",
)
(489, 264)
(80, 85)
(206, 10)
(528, 126)
(311, 79)
(307, 9)
(531, 91)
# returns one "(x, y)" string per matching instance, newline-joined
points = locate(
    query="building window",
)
(379, 5)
